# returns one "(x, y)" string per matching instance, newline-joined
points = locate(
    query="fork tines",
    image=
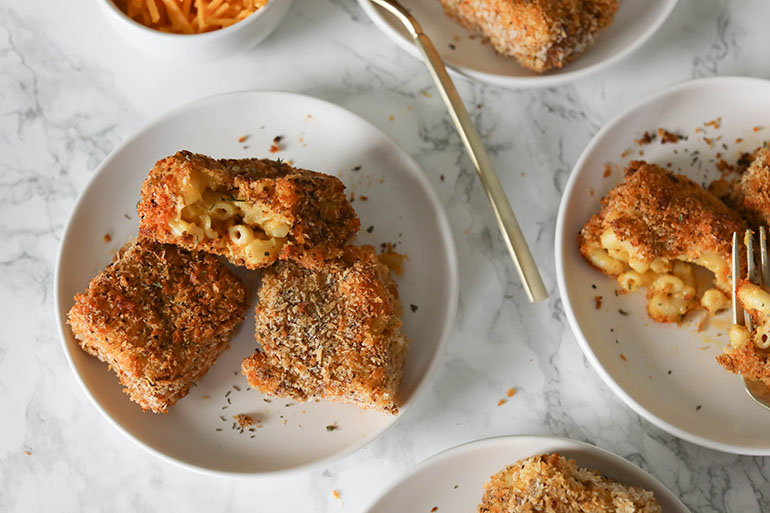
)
(758, 276)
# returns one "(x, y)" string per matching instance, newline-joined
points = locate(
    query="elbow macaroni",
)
(672, 285)
(739, 336)
(249, 230)
(756, 300)
(714, 300)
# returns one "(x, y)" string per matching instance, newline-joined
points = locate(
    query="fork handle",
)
(509, 226)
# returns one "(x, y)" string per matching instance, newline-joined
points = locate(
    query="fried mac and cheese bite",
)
(159, 316)
(251, 211)
(649, 232)
(750, 193)
(541, 34)
(551, 483)
(332, 332)
(749, 352)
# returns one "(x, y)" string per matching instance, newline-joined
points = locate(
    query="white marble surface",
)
(70, 91)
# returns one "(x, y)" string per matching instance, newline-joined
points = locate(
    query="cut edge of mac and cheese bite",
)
(650, 231)
(160, 316)
(332, 332)
(749, 352)
(251, 211)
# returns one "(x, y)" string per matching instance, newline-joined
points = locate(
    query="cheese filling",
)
(243, 229)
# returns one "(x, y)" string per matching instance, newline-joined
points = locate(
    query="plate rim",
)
(539, 81)
(559, 252)
(494, 440)
(444, 334)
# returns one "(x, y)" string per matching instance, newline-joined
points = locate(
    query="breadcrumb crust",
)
(750, 194)
(551, 483)
(541, 34)
(159, 316)
(332, 332)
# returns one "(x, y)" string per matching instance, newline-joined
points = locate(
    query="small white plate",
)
(669, 375)
(400, 206)
(453, 480)
(635, 22)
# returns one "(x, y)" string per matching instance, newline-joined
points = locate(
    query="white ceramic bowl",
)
(204, 47)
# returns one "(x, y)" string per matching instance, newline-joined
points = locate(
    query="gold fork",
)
(759, 276)
(506, 220)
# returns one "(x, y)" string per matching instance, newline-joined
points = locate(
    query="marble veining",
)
(70, 91)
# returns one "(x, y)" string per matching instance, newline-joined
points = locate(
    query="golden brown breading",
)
(332, 332)
(250, 211)
(655, 214)
(550, 483)
(540, 34)
(746, 357)
(750, 194)
(159, 316)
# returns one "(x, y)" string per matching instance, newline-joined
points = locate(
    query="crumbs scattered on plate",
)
(243, 420)
(276, 146)
(508, 394)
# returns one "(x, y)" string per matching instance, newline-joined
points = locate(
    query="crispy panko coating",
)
(541, 34)
(655, 214)
(549, 483)
(750, 194)
(749, 356)
(251, 211)
(159, 316)
(332, 332)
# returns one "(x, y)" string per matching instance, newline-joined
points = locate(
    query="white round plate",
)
(453, 480)
(400, 206)
(666, 373)
(469, 55)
